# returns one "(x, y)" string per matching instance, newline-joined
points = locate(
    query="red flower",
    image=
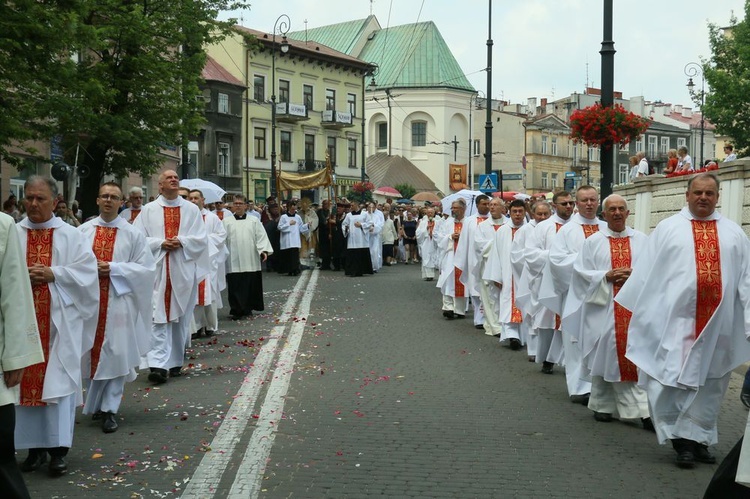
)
(605, 126)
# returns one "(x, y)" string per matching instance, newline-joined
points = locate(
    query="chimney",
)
(678, 108)
(687, 112)
(532, 106)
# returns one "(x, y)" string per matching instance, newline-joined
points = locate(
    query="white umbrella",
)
(465, 194)
(211, 192)
(521, 196)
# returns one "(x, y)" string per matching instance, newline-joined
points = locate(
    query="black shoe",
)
(702, 455)
(515, 344)
(547, 367)
(36, 458)
(96, 416)
(459, 316)
(57, 466)
(648, 424)
(603, 417)
(175, 372)
(209, 333)
(197, 334)
(478, 326)
(158, 376)
(685, 459)
(109, 423)
(448, 314)
(532, 358)
(580, 399)
(745, 398)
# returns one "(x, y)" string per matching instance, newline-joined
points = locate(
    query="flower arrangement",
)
(362, 187)
(597, 125)
(711, 167)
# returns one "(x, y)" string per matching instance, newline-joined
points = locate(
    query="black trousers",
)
(722, 484)
(245, 292)
(289, 261)
(324, 247)
(11, 481)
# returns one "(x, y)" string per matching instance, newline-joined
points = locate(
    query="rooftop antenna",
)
(587, 74)
(371, 1)
(305, 31)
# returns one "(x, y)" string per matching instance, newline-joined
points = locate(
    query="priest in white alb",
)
(499, 272)
(135, 196)
(468, 256)
(176, 235)
(376, 240)
(248, 246)
(427, 246)
(356, 229)
(556, 281)
(126, 283)
(484, 238)
(64, 281)
(690, 297)
(546, 322)
(291, 227)
(205, 315)
(450, 284)
(599, 323)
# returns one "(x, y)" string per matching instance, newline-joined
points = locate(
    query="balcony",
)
(310, 165)
(336, 120)
(290, 113)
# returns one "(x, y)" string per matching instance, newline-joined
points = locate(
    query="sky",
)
(542, 48)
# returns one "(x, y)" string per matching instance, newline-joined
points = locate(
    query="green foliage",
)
(406, 190)
(727, 103)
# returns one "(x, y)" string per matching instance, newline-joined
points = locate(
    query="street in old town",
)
(356, 387)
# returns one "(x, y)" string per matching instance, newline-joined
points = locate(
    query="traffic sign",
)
(570, 174)
(488, 183)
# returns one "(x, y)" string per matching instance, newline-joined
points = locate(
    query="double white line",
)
(210, 471)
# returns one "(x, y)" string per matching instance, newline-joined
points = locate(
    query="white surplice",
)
(357, 237)
(428, 250)
(376, 242)
(499, 270)
(73, 316)
(246, 240)
(128, 321)
(685, 377)
(290, 233)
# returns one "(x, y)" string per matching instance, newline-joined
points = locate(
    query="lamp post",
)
(282, 26)
(692, 70)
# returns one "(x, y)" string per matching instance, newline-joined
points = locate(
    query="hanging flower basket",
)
(362, 187)
(599, 126)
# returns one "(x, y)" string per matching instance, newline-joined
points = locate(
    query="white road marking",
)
(247, 483)
(208, 475)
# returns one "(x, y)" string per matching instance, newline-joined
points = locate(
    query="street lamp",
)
(692, 70)
(282, 26)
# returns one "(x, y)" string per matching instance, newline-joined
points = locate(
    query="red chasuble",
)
(104, 249)
(171, 229)
(619, 251)
(38, 251)
(202, 286)
(708, 272)
(558, 319)
(515, 313)
(459, 290)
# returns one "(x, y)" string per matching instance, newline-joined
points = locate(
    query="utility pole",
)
(608, 90)
(488, 124)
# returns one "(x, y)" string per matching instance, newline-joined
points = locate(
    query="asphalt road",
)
(357, 387)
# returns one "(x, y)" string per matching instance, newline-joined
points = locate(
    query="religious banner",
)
(458, 176)
(297, 181)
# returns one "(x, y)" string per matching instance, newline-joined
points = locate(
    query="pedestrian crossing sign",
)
(488, 183)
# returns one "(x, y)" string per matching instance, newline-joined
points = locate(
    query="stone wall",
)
(652, 199)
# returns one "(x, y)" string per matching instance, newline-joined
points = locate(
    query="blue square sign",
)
(488, 183)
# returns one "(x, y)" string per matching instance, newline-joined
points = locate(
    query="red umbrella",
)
(505, 195)
(425, 196)
(387, 191)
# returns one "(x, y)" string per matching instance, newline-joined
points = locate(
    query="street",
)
(356, 387)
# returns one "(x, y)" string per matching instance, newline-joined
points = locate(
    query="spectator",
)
(642, 164)
(684, 162)
(65, 214)
(409, 234)
(390, 235)
(671, 161)
(729, 151)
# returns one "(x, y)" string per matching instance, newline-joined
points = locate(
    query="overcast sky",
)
(542, 48)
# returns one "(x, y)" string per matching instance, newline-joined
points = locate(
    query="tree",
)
(727, 104)
(406, 190)
(127, 82)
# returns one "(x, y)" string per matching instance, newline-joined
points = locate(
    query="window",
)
(554, 150)
(224, 154)
(223, 103)
(382, 135)
(623, 172)
(418, 133)
(593, 154)
(545, 181)
(307, 96)
(283, 90)
(651, 147)
(681, 142)
(477, 147)
(286, 146)
(639, 145)
(664, 146)
(259, 88)
(330, 100)
(351, 103)
(309, 147)
(260, 143)
(331, 144)
(544, 144)
(352, 161)
(193, 155)
(554, 180)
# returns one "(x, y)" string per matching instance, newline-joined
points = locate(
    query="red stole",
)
(202, 285)
(558, 319)
(134, 214)
(620, 255)
(708, 271)
(430, 227)
(515, 313)
(220, 214)
(38, 251)
(459, 290)
(104, 249)
(589, 230)
(171, 229)
(481, 219)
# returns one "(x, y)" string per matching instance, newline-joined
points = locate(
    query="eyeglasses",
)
(109, 197)
(183, 197)
(566, 203)
(136, 197)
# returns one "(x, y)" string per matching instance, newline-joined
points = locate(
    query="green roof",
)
(342, 36)
(412, 55)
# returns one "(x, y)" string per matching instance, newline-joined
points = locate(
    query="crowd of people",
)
(646, 328)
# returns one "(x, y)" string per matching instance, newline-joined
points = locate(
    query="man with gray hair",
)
(64, 279)
(690, 298)
(449, 282)
(135, 196)
(642, 170)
